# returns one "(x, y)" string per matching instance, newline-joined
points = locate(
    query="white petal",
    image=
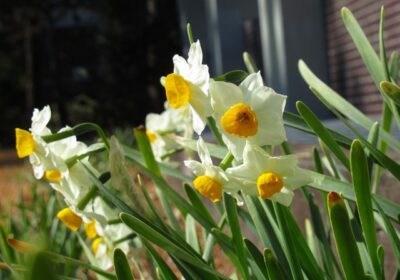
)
(40, 119)
(252, 82)
(201, 104)
(234, 144)
(195, 56)
(197, 168)
(283, 165)
(181, 67)
(203, 152)
(256, 157)
(299, 178)
(285, 197)
(224, 95)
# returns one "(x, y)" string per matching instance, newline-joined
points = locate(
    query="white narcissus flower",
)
(272, 178)
(188, 87)
(106, 236)
(160, 126)
(72, 182)
(30, 143)
(211, 180)
(250, 111)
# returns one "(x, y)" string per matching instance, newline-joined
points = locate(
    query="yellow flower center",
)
(70, 219)
(268, 184)
(177, 90)
(53, 175)
(152, 136)
(96, 243)
(208, 187)
(240, 120)
(90, 229)
(24, 142)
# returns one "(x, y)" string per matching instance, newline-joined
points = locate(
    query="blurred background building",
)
(101, 60)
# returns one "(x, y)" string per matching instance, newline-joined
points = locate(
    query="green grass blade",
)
(344, 237)
(330, 184)
(289, 242)
(234, 76)
(135, 155)
(382, 49)
(364, 47)
(121, 265)
(303, 253)
(257, 257)
(148, 233)
(373, 138)
(320, 130)
(264, 229)
(361, 183)
(273, 268)
(295, 121)
(328, 259)
(164, 269)
(152, 165)
(391, 232)
(198, 204)
(342, 105)
(233, 221)
(191, 233)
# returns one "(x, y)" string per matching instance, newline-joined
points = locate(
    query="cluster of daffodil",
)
(249, 118)
(54, 163)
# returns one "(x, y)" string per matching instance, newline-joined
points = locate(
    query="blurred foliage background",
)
(85, 59)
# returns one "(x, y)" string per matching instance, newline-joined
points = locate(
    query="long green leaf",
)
(198, 204)
(152, 165)
(392, 234)
(122, 268)
(148, 233)
(191, 233)
(344, 237)
(264, 229)
(289, 243)
(257, 257)
(233, 221)
(361, 183)
(296, 122)
(321, 131)
(330, 184)
(341, 104)
(274, 270)
(165, 270)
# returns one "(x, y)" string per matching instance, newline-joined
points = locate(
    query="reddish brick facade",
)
(347, 73)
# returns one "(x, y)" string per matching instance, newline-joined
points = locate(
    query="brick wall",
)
(347, 73)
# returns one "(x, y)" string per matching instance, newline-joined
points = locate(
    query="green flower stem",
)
(227, 161)
(285, 146)
(123, 239)
(171, 153)
(92, 192)
(78, 130)
(114, 222)
(72, 160)
(215, 131)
